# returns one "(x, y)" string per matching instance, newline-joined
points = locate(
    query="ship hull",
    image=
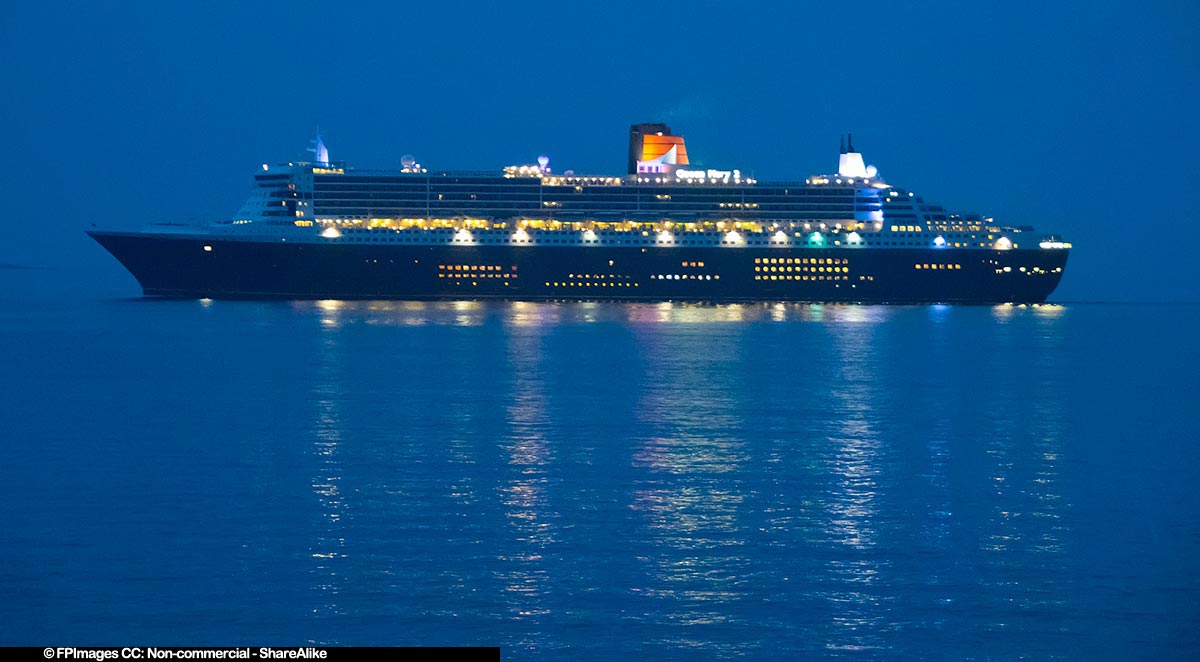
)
(216, 267)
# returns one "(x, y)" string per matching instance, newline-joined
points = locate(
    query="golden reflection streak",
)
(1049, 430)
(1023, 480)
(529, 456)
(336, 313)
(689, 506)
(1003, 312)
(328, 547)
(854, 469)
(680, 313)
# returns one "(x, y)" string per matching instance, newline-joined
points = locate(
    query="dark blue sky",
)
(1068, 116)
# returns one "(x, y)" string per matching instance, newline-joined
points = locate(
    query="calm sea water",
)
(601, 480)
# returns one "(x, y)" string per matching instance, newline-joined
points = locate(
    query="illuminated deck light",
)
(1003, 244)
(1054, 245)
(816, 238)
(207, 248)
(331, 233)
(781, 236)
(854, 236)
(939, 241)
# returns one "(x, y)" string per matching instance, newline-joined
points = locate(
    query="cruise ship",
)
(666, 230)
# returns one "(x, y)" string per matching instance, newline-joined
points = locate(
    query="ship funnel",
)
(652, 149)
(850, 163)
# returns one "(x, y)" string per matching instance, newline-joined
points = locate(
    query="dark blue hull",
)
(180, 266)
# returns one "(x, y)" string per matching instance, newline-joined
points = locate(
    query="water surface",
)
(602, 479)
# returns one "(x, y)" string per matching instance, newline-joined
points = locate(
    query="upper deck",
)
(663, 200)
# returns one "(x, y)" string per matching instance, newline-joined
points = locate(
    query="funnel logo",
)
(659, 152)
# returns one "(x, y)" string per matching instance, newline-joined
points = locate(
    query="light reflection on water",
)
(328, 542)
(523, 492)
(854, 472)
(523, 313)
(1021, 541)
(785, 471)
(687, 490)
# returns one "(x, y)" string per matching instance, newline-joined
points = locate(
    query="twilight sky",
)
(1075, 117)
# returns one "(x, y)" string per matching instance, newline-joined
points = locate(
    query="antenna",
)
(850, 163)
(842, 144)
